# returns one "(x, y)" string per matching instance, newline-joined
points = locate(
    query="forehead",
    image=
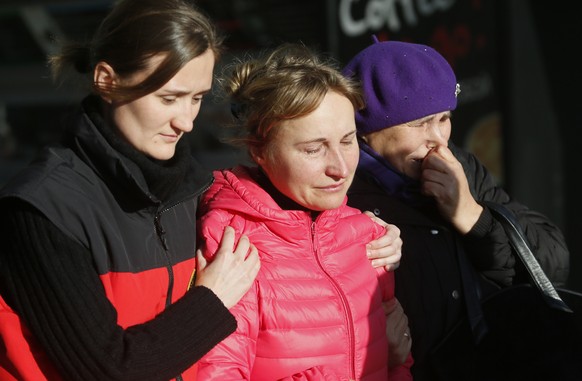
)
(197, 73)
(333, 118)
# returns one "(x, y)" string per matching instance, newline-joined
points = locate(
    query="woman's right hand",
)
(232, 270)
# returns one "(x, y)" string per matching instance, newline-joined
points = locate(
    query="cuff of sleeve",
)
(483, 225)
(214, 307)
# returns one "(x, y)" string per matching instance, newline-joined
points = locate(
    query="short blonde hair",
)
(287, 83)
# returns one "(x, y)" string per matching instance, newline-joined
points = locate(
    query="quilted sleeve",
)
(231, 359)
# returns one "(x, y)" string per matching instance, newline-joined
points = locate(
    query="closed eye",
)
(348, 142)
(349, 138)
(446, 117)
(313, 150)
(168, 100)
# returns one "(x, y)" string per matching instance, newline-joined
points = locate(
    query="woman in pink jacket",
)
(315, 309)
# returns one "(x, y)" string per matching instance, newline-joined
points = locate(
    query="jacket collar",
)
(393, 209)
(379, 170)
(123, 175)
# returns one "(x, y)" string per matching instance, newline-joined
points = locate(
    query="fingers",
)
(245, 255)
(233, 269)
(440, 154)
(227, 241)
(398, 332)
(439, 165)
(253, 262)
(243, 246)
(234, 252)
(376, 219)
(386, 251)
(396, 319)
(444, 179)
(389, 306)
(390, 262)
(392, 266)
(390, 238)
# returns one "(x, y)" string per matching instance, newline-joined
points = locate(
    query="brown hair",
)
(287, 83)
(135, 31)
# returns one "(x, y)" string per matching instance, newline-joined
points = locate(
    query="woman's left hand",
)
(398, 333)
(385, 251)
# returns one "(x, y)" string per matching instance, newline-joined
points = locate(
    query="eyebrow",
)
(180, 92)
(422, 120)
(321, 140)
(426, 118)
(352, 133)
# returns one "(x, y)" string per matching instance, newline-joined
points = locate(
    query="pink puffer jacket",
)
(314, 311)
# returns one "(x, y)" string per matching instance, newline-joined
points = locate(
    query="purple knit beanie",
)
(401, 82)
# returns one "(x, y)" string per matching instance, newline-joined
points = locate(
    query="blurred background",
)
(516, 61)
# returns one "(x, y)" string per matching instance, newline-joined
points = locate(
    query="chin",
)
(327, 205)
(162, 155)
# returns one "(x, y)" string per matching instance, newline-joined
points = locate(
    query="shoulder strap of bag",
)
(520, 245)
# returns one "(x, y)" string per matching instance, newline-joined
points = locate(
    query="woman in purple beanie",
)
(413, 176)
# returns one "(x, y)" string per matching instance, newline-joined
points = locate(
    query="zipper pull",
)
(161, 233)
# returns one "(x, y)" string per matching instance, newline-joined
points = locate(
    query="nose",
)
(337, 166)
(184, 118)
(437, 134)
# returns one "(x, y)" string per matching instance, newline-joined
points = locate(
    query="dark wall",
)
(519, 83)
(516, 61)
(559, 31)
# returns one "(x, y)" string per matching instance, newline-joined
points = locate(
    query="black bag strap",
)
(519, 243)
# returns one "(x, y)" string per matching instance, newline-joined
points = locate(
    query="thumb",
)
(200, 261)
(200, 265)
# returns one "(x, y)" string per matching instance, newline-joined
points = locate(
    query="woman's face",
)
(406, 145)
(154, 123)
(312, 159)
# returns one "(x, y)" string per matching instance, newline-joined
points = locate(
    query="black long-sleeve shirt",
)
(52, 278)
(49, 279)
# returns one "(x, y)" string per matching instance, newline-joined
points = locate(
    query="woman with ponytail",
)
(97, 262)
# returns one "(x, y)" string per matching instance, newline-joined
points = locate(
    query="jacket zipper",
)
(161, 232)
(348, 315)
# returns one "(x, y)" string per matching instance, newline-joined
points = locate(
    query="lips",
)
(334, 187)
(170, 138)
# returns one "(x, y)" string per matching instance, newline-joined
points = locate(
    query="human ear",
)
(257, 155)
(104, 78)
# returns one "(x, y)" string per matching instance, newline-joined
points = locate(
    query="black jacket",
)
(428, 281)
(97, 265)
